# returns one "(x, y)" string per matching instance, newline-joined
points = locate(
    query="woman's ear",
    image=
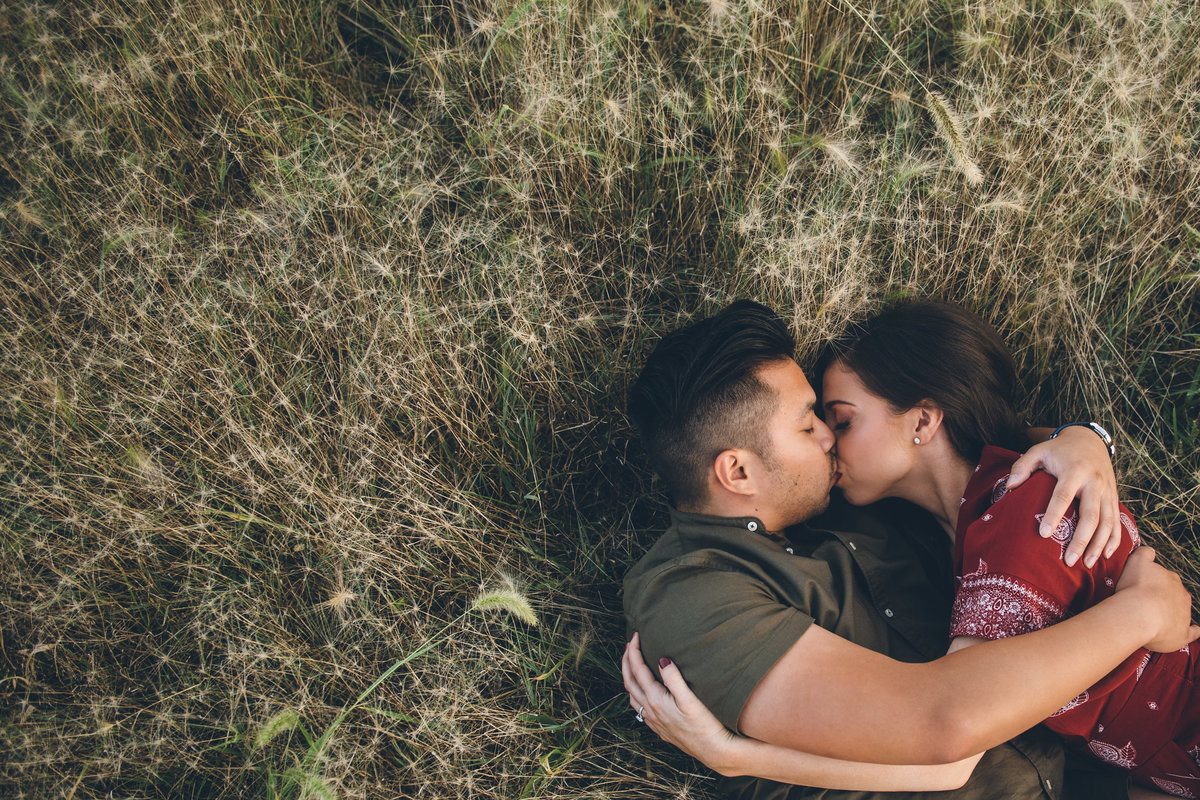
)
(928, 420)
(733, 471)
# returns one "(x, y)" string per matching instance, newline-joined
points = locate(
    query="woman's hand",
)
(1079, 459)
(674, 712)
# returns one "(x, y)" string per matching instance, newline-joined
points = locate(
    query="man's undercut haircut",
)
(699, 395)
(931, 350)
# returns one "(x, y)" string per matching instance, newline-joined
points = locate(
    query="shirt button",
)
(752, 526)
(888, 612)
(851, 545)
(790, 551)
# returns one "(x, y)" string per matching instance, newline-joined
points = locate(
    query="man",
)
(822, 630)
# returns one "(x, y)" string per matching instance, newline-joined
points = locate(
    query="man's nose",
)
(827, 438)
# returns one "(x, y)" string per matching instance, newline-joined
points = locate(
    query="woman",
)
(919, 399)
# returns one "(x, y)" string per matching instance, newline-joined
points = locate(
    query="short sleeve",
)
(725, 629)
(1014, 581)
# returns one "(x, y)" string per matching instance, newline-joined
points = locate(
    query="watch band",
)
(1096, 429)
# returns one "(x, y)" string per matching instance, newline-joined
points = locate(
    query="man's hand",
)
(1079, 459)
(1169, 601)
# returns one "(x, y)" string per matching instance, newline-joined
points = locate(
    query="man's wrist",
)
(1095, 428)
(1139, 612)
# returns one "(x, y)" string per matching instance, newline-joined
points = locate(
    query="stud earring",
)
(916, 440)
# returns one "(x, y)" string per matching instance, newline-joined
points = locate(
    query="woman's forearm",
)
(745, 756)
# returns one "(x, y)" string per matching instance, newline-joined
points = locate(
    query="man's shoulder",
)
(722, 601)
(691, 543)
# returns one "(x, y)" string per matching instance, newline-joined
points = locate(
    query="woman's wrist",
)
(733, 755)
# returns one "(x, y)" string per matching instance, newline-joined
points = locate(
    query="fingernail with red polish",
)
(664, 662)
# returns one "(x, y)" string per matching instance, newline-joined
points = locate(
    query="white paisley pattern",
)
(1142, 666)
(1065, 530)
(1130, 528)
(1000, 488)
(1123, 757)
(993, 605)
(1171, 787)
(1078, 701)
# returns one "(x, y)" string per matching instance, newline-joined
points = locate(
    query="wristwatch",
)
(1095, 427)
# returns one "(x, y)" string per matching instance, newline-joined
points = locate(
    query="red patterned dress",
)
(1144, 716)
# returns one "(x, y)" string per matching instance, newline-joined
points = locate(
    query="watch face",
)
(1104, 436)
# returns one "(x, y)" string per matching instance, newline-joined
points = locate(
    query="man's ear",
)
(928, 419)
(734, 471)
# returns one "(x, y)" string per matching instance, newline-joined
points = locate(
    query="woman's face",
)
(875, 448)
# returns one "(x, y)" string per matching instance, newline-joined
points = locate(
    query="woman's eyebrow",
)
(832, 403)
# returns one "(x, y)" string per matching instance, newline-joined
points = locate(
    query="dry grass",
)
(317, 319)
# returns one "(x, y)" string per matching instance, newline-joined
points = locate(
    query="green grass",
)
(318, 319)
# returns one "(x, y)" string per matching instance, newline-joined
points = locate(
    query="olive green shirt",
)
(725, 601)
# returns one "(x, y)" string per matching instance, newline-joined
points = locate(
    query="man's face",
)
(800, 468)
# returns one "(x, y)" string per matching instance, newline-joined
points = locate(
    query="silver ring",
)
(639, 713)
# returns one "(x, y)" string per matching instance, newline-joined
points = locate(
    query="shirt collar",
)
(751, 524)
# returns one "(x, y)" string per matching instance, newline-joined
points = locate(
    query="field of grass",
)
(317, 318)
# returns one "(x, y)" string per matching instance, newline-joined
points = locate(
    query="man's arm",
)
(829, 697)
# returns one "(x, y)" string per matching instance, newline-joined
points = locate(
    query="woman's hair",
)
(931, 350)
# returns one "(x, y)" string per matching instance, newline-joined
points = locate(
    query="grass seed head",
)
(950, 126)
(506, 599)
(282, 722)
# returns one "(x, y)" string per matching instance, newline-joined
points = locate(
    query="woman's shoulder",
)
(991, 506)
(995, 468)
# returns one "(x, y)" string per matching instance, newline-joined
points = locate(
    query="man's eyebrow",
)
(808, 409)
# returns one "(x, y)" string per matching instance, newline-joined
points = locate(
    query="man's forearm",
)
(991, 692)
(862, 706)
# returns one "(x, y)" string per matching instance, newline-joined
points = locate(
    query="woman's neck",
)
(937, 482)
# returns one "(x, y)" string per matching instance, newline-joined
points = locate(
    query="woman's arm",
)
(775, 763)
(677, 716)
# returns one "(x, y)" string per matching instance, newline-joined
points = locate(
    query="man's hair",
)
(932, 350)
(698, 395)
